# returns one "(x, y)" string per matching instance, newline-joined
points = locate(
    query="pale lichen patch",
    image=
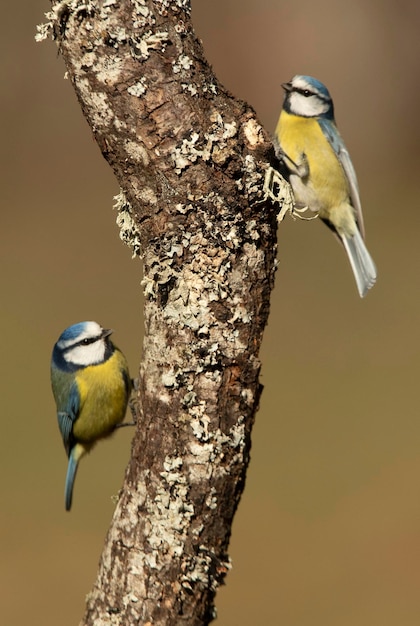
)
(138, 152)
(191, 88)
(142, 16)
(183, 62)
(169, 378)
(253, 132)
(108, 69)
(139, 88)
(57, 11)
(212, 144)
(174, 5)
(169, 511)
(150, 41)
(129, 232)
(199, 422)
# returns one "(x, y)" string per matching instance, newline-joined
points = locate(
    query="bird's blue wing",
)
(334, 138)
(67, 417)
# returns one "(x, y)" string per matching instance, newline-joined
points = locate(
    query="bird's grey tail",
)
(71, 475)
(361, 262)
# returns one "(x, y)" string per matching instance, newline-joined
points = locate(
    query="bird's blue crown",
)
(72, 332)
(318, 86)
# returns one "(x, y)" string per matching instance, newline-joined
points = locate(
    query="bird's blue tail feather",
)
(71, 475)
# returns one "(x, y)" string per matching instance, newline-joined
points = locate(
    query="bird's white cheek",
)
(307, 106)
(86, 355)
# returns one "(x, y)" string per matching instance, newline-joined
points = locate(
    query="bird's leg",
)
(132, 403)
(274, 184)
(277, 189)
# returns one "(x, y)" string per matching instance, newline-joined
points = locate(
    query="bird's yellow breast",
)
(103, 398)
(325, 187)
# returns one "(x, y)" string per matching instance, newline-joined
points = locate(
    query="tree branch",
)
(191, 161)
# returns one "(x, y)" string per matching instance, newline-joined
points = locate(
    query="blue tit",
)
(320, 169)
(91, 386)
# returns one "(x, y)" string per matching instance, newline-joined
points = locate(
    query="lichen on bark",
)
(191, 161)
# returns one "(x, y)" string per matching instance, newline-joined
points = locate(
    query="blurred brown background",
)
(328, 531)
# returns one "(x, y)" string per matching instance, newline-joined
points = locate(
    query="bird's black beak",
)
(106, 332)
(287, 86)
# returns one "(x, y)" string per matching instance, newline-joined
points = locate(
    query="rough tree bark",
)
(190, 160)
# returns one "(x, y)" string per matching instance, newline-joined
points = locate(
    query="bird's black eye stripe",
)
(83, 342)
(89, 340)
(307, 92)
(304, 92)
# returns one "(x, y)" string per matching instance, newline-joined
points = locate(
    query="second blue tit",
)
(91, 386)
(320, 169)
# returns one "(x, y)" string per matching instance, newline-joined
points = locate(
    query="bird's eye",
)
(88, 340)
(306, 93)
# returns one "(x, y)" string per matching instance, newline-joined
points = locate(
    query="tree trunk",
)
(190, 160)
